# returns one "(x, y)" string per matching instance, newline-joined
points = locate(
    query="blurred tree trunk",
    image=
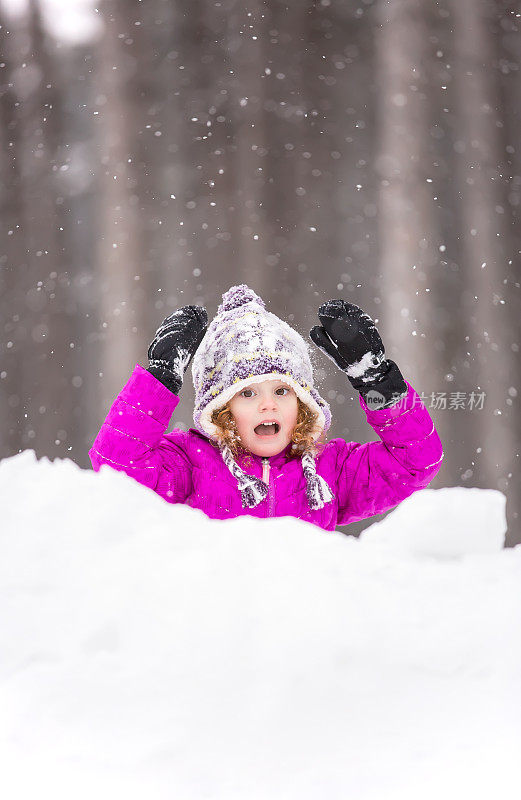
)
(11, 260)
(245, 36)
(485, 238)
(120, 219)
(408, 230)
(37, 301)
(508, 46)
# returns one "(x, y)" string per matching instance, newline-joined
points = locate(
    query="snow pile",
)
(147, 650)
(444, 523)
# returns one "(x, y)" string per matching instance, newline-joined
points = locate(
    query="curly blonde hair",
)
(301, 436)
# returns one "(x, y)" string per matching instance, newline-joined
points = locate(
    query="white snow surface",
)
(146, 650)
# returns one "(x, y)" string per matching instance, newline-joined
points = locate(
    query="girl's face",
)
(268, 401)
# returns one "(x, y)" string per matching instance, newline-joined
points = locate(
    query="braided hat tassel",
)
(253, 490)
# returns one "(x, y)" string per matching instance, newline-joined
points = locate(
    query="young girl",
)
(255, 447)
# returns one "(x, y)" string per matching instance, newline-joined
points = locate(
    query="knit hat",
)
(246, 344)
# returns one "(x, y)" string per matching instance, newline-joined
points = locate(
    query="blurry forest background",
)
(155, 153)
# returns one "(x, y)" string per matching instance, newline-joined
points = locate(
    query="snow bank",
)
(148, 650)
(444, 523)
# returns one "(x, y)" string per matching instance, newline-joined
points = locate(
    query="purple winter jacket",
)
(186, 467)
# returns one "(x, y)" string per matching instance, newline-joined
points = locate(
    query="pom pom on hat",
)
(239, 296)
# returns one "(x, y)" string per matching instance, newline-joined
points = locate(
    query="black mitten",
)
(349, 337)
(174, 344)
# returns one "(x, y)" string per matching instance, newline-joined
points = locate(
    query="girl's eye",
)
(282, 391)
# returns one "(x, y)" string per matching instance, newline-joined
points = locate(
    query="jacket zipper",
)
(266, 469)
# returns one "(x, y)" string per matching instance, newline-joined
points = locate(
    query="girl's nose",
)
(267, 402)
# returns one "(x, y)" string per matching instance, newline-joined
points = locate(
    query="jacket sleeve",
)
(375, 476)
(132, 438)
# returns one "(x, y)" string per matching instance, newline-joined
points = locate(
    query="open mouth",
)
(267, 429)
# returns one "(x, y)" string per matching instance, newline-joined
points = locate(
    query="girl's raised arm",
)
(132, 437)
(375, 476)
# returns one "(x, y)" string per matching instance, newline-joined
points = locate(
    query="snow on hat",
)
(246, 344)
